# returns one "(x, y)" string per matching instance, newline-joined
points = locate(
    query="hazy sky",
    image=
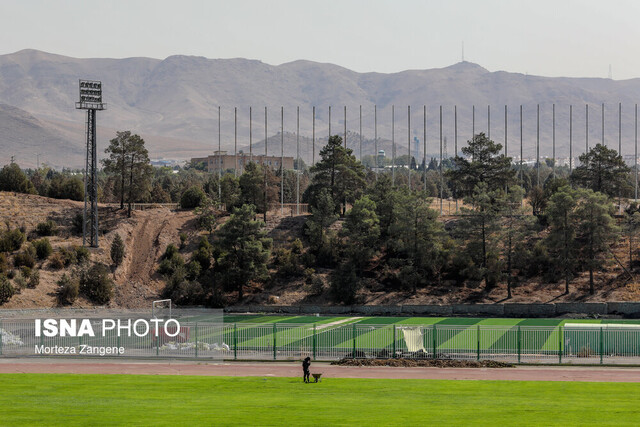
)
(543, 37)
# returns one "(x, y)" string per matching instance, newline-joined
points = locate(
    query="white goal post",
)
(161, 309)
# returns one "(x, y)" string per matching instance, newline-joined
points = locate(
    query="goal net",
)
(161, 309)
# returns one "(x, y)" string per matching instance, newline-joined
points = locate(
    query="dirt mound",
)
(423, 363)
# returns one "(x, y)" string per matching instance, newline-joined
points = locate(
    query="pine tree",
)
(338, 171)
(117, 250)
(244, 250)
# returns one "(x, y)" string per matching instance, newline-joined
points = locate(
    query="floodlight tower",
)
(90, 100)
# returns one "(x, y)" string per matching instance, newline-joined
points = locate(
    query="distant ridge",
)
(174, 103)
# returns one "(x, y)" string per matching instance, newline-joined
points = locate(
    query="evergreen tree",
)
(487, 166)
(129, 161)
(417, 240)
(340, 172)
(596, 230)
(244, 250)
(361, 227)
(13, 179)
(323, 214)
(603, 170)
(562, 232)
(117, 250)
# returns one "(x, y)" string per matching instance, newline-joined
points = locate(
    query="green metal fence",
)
(577, 344)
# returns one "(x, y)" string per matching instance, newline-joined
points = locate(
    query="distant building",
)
(220, 160)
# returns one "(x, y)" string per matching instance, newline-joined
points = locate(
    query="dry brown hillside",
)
(147, 233)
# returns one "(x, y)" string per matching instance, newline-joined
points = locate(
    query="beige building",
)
(222, 160)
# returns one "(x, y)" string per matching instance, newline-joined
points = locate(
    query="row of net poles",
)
(360, 148)
(219, 160)
(297, 168)
(375, 139)
(409, 145)
(281, 160)
(424, 144)
(441, 176)
(393, 145)
(266, 141)
(235, 140)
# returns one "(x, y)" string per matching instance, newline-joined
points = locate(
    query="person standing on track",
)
(306, 363)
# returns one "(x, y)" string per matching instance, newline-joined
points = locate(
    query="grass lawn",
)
(41, 399)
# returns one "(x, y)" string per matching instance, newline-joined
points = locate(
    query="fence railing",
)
(587, 344)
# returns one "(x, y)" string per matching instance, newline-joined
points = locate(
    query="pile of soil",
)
(423, 363)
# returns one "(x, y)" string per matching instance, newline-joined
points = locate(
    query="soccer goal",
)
(161, 309)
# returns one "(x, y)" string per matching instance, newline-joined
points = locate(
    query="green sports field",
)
(57, 399)
(333, 337)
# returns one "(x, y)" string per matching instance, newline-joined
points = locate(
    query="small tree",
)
(129, 161)
(361, 227)
(13, 179)
(602, 169)
(339, 172)
(117, 250)
(67, 290)
(6, 289)
(96, 284)
(487, 166)
(244, 250)
(192, 198)
(596, 230)
(563, 226)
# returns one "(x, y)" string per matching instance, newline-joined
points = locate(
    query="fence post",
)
(235, 341)
(601, 343)
(393, 354)
(0, 338)
(158, 345)
(434, 341)
(196, 339)
(519, 343)
(275, 331)
(560, 344)
(314, 341)
(354, 340)
(478, 342)
(118, 342)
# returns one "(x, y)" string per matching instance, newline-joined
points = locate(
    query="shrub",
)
(82, 254)
(67, 290)
(183, 240)
(25, 257)
(57, 261)
(171, 260)
(6, 289)
(76, 223)
(12, 240)
(170, 251)
(344, 283)
(34, 280)
(26, 271)
(203, 258)
(43, 248)
(192, 198)
(117, 250)
(12, 178)
(193, 270)
(96, 284)
(4, 263)
(20, 282)
(48, 228)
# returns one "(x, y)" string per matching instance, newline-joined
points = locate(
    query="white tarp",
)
(413, 339)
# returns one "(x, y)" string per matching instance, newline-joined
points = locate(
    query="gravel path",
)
(520, 373)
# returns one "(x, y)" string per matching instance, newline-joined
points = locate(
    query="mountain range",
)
(174, 104)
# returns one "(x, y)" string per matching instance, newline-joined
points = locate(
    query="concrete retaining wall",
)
(625, 309)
